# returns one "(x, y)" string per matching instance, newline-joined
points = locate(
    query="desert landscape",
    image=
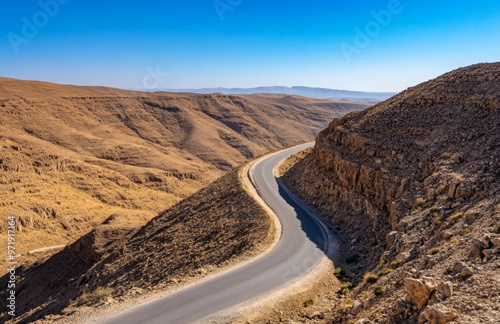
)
(250, 162)
(102, 152)
(417, 215)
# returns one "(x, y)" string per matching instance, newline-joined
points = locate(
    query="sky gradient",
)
(356, 45)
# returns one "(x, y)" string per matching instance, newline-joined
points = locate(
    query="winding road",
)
(301, 246)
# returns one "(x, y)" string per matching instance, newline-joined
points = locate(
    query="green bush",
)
(378, 290)
(370, 278)
(308, 302)
(345, 289)
(396, 264)
(385, 272)
(433, 251)
(456, 216)
(434, 209)
(339, 272)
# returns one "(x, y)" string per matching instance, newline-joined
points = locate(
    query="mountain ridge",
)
(311, 92)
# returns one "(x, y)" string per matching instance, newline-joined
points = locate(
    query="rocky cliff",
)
(412, 184)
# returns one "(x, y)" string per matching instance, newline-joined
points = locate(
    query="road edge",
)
(324, 268)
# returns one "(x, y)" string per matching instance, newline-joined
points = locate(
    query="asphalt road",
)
(302, 244)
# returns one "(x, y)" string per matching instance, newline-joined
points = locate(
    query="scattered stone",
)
(445, 289)
(457, 268)
(391, 237)
(452, 190)
(418, 292)
(363, 321)
(438, 314)
(317, 315)
(356, 307)
(475, 249)
(402, 256)
(446, 235)
(488, 253)
(495, 241)
(466, 272)
(486, 239)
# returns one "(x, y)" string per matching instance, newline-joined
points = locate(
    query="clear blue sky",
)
(246, 43)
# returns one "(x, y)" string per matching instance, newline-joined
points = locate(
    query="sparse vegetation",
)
(94, 297)
(456, 217)
(308, 302)
(339, 272)
(385, 272)
(345, 288)
(380, 264)
(434, 251)
(378, 290)
(421, 203)
(434, 209)
(370, 278)
(396, 264)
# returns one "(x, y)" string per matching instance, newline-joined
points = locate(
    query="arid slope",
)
(72, 156)
(217, 226)
(413, 185)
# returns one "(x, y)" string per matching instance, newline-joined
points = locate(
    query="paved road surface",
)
(300, 248)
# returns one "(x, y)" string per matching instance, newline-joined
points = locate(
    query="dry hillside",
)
(413, 185)
(70, 157)
(217, 226)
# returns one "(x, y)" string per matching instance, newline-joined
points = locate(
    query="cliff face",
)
(398, 177)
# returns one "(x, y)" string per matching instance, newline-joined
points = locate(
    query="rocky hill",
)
(70, 157)
(413, 186)
(217, 226)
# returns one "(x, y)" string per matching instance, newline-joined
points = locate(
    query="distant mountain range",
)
(318, 93)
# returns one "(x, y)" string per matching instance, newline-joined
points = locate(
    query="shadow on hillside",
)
(48, 286)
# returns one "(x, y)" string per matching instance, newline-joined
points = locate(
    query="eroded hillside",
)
(70, 157)
(413, 185)
(217, 226)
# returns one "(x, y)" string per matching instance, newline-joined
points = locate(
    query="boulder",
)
(488, 253)
(445, 288)
(418, 291)
(486, 239)
(446, 235)
(457, 268)
(438, 314)
(466, 272)
(356, 307)
(495, 241)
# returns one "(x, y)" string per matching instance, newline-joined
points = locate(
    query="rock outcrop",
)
(412, 184)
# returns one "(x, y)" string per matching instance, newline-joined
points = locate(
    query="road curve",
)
(301, 246)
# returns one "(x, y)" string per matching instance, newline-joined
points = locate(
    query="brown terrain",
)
(412, 185)
(72, 157)
(216, 227)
